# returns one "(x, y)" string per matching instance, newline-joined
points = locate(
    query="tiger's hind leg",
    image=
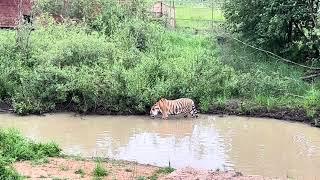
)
(194, 112)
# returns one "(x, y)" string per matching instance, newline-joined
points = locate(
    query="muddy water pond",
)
(266, 147)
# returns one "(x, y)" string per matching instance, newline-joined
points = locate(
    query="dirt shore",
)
(77, 168)
(189, 173)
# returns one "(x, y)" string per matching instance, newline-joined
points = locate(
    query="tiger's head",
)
(157, 107)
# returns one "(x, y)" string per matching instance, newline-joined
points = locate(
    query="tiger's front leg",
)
(165, 116)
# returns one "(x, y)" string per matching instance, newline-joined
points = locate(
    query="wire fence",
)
(199, 15)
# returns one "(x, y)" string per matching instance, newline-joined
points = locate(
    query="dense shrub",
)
(122, 67)
(79, 9)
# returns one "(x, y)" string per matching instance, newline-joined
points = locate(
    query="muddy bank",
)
(232, 107)
(77, 168)
(288, 114)
(298, 115)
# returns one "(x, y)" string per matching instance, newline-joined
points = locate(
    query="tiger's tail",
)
(194, 111)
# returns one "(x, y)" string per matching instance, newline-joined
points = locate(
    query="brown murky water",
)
(251, 145)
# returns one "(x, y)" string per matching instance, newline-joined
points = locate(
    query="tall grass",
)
(268, 82)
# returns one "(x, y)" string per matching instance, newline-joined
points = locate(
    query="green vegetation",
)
(100, 171)
(56, 178)
(287, 27)
(199, 17)
(264, 82)
(7, 171)
(198, 13)
(14, 147)
(121, 62)
(40, 161)
(121, 69)
(142, 178)
(165, 170)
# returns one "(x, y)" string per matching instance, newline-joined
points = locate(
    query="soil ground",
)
(77, 168)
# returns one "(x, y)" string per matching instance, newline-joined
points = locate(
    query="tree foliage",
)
(287, 27)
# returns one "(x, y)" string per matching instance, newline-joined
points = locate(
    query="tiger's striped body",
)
(174, 107)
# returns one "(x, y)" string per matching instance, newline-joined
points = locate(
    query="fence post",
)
(161, 9)
(170, 13)
(174, 15)
(212, 16)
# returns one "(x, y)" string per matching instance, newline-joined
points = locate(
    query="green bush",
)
(80, 9)
(7, 171)
(14, 146)
(311, 101)
(212, 81)
(123, 72)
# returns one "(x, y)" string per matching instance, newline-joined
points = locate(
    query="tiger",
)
(174, 107)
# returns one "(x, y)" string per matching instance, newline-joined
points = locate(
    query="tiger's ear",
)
(162, 99)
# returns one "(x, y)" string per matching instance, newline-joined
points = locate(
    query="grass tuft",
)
(100, 171)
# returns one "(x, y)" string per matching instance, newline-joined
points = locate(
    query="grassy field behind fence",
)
(199, 17)
(196, 14)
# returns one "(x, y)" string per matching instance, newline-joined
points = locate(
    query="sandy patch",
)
(70, 168)
(59, 168)
(189, 173)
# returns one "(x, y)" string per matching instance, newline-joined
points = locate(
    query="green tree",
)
(287, 27)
